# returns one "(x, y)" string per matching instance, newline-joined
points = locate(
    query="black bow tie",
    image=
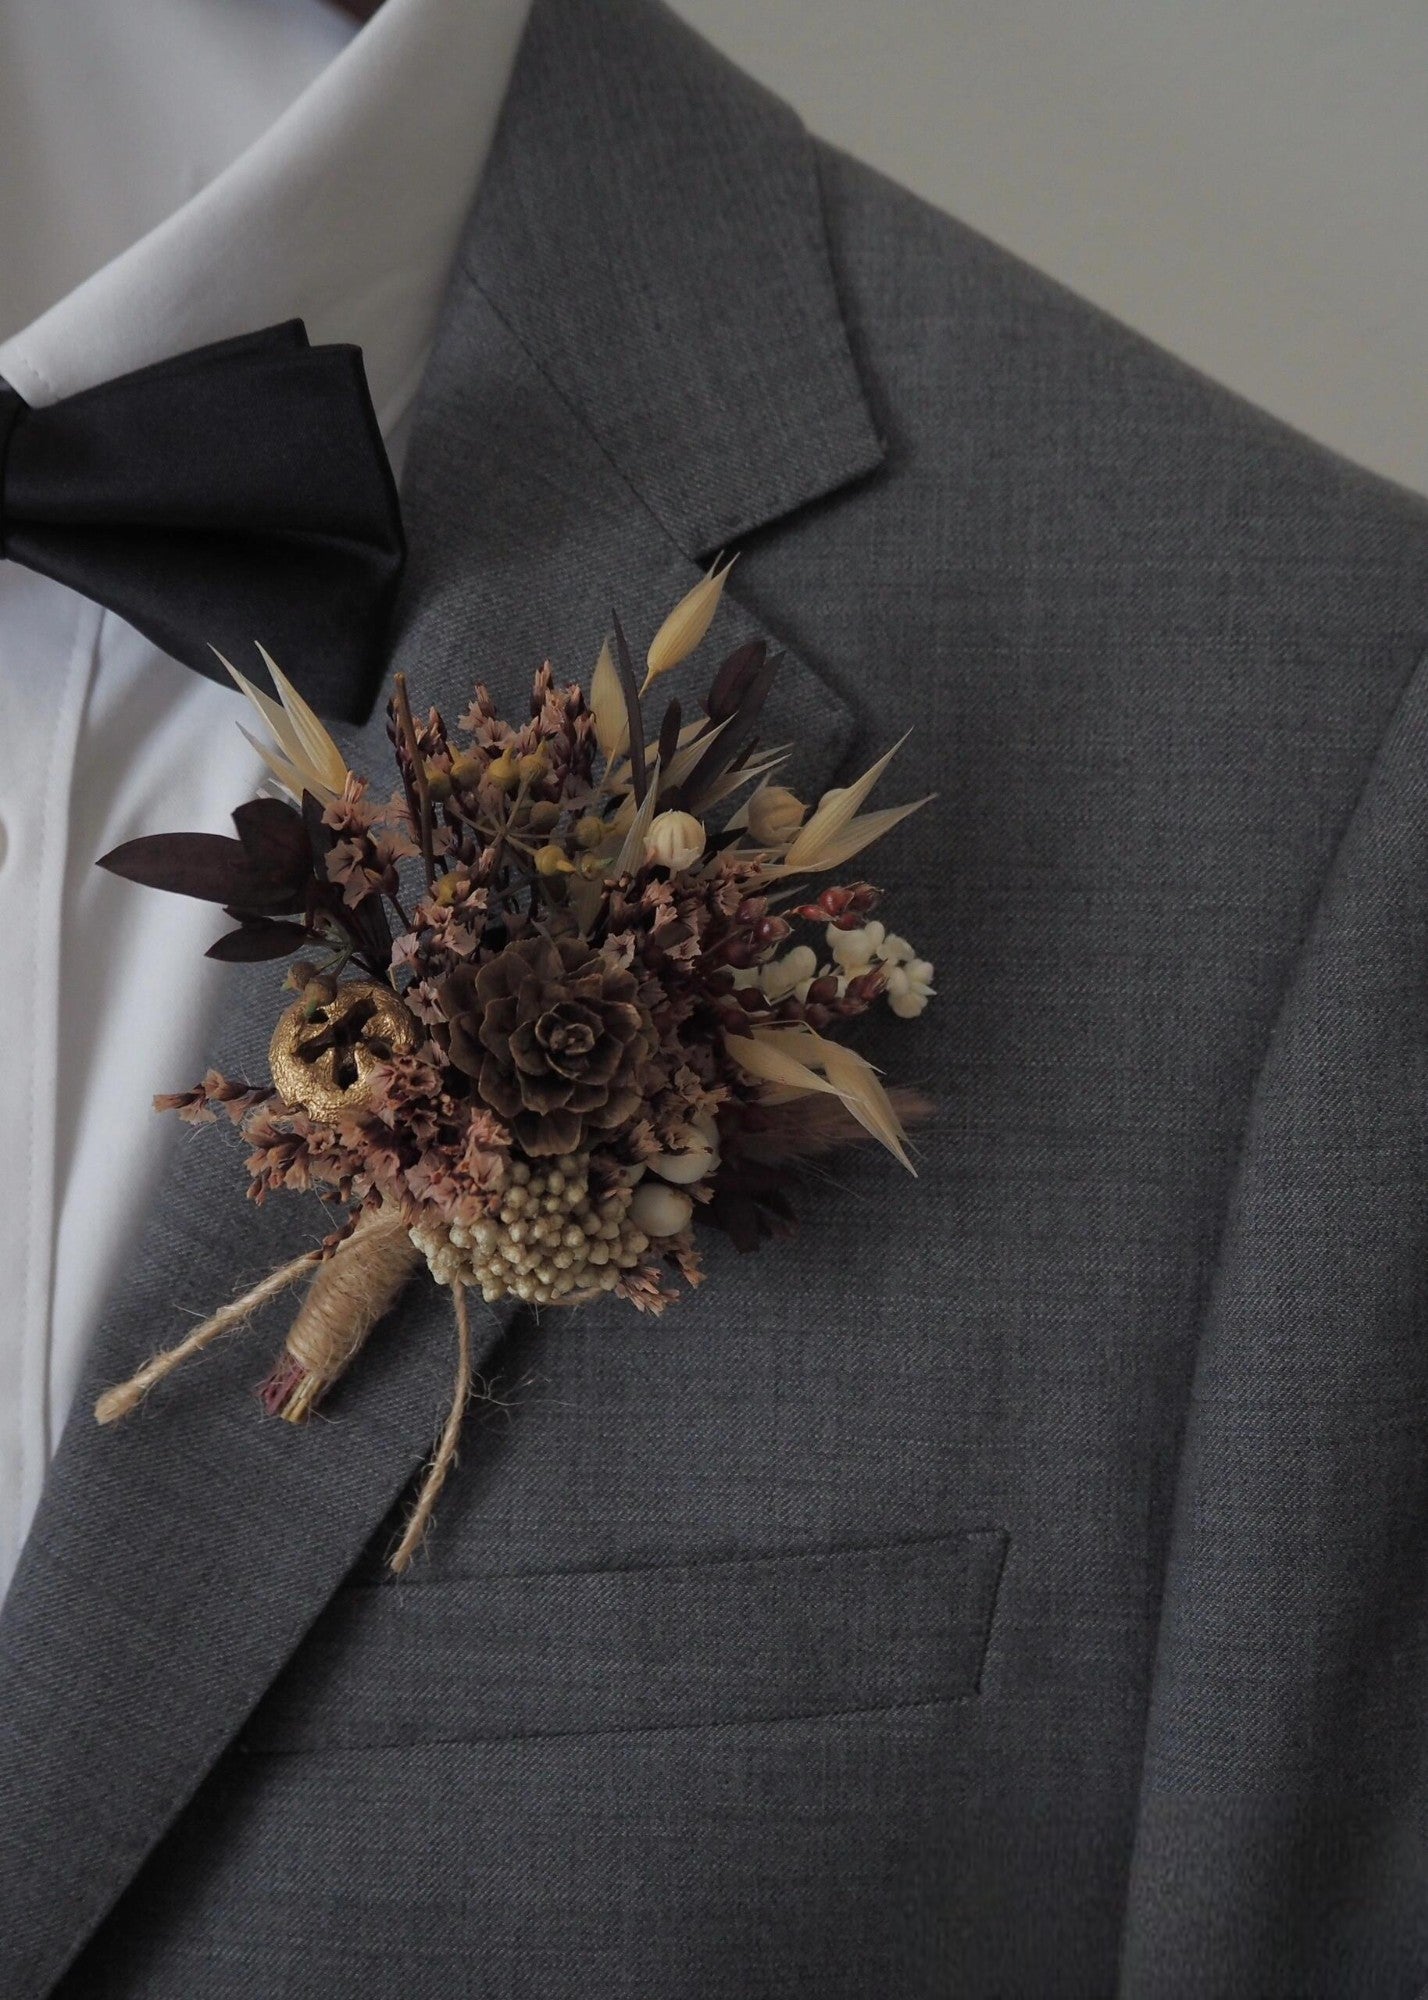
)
(236, 493)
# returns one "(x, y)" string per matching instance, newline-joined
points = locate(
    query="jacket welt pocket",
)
(663, 1646)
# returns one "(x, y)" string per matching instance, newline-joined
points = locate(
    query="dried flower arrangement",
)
(590, 1030)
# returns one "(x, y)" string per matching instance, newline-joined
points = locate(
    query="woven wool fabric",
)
(1014, 1586)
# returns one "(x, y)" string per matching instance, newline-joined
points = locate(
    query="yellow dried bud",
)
(317, 994)
(532, 766)
(468, 769)
(590, 868)
(503, 773)
(675, 840)
(543, 815)
(686, 625)
(590, 830)
(553, 860)
(450, 888)
(438, 782)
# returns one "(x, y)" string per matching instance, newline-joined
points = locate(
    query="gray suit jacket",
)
(1017, 1585)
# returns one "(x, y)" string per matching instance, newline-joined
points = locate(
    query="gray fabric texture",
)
(1016, 1585)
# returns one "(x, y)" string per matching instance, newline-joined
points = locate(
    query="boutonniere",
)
(611, 1006)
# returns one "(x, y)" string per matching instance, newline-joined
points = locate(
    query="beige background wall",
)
(1244, 180)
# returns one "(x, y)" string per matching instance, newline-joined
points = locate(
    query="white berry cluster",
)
(908, 978)
(907, 982)
(548, 1243)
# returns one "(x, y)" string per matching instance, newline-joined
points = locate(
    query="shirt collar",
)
(345, 213)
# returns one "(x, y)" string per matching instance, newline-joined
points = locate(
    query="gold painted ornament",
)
(324, 1053)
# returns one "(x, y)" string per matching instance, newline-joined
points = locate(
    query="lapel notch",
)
(650, 228)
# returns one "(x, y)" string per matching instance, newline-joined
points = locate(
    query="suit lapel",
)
(641, 358)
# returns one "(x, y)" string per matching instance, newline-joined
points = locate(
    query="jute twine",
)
(126, 1396)
(444, 1457)
(349, 1293)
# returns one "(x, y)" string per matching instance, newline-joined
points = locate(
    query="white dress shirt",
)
(171, 172)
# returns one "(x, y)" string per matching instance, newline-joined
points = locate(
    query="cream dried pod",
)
(695, 1162)
(660, 1210)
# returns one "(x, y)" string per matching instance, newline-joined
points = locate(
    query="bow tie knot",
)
(235, 493)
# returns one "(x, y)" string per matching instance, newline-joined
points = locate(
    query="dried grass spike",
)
(607, 706)
(686, 625)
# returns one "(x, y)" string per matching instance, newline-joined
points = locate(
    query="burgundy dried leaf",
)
(208, 866)
(320, 836)
(748, 1218)
(733, 677)
(274, 838)
(734, 744)
(639, 777)
(260, 940)
(754, 696)
(669, 735)
(374, 930)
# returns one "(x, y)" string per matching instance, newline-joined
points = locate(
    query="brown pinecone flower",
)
(556, 1038)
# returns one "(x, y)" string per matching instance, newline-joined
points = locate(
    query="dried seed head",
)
(550, 1240)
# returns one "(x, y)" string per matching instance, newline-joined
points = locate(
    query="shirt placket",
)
(48, 644)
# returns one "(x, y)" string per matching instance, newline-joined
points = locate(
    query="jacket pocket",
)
(680, 1645)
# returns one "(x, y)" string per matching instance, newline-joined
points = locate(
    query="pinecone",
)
(556, 1038)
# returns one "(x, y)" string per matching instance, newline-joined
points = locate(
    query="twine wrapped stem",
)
(349, 1293)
